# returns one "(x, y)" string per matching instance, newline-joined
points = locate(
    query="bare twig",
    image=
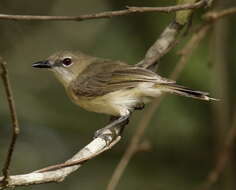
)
(167, 9)
(186, 51)
(223, 158)
(107, 14)
(215, 15)
(15, 125)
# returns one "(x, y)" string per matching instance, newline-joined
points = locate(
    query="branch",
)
(100, 144)
(102, 15)
(185, 53)
(215, 15)
(15, 125)
(162, 45)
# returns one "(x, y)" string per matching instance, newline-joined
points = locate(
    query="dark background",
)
(185, 135)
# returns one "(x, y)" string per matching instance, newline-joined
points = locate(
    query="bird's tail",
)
(183, 91)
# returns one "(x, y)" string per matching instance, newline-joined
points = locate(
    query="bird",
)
(111, 87)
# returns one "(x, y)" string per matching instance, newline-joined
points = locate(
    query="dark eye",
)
(67, 62)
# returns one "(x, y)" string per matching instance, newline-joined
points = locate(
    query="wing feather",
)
(102, 77)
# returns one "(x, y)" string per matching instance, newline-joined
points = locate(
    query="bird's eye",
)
(67, 62)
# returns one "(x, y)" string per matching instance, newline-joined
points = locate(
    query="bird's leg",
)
(111, 119)
(114, 128)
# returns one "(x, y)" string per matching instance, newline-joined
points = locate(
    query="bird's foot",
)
(107, 134)
(115, 128)
(139, 106)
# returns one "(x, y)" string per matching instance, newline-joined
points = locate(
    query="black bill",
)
(42, 64)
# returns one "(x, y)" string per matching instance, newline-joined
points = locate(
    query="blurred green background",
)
(185, 135)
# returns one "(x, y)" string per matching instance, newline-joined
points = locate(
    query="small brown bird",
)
(110, 87)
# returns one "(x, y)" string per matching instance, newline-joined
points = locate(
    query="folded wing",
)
(102, 77)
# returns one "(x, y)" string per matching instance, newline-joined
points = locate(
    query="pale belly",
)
(118, 103)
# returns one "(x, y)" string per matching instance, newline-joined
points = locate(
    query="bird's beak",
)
(42, 64)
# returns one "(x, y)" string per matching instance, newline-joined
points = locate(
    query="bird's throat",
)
(63, 75)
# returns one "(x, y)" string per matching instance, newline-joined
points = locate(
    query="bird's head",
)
(65, 65)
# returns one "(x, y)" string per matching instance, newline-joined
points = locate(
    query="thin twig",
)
(221, 162)
(106, 14)
(135, 141)
(193, 42)
(80, 161)
(15, 125)
(215, 15)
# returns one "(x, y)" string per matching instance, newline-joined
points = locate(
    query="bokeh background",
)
(185, 135)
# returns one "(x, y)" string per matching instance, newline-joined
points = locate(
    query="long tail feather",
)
(183, 91)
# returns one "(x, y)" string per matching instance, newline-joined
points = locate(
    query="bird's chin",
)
(63, 75)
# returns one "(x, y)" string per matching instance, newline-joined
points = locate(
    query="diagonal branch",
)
(168, 38)
(102, 143)
(163, 44)
(15, 125)
(106, 14)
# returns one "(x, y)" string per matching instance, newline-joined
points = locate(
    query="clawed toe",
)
(139, 106)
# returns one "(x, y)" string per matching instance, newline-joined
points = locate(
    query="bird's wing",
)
(104, 77)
